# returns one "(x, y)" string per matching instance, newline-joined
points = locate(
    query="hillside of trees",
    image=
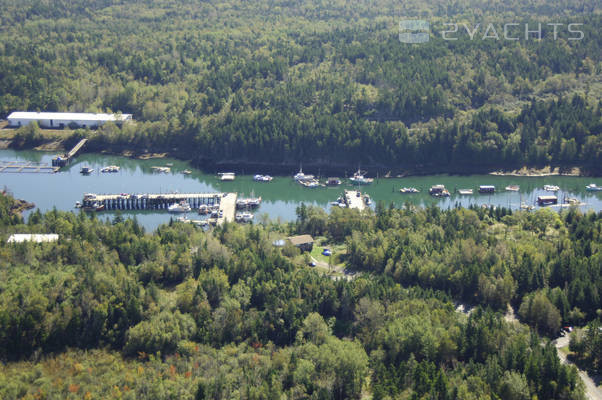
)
(329, 83)
(112, 311)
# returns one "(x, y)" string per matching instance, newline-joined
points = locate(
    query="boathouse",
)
(59, 120)
(547, 200)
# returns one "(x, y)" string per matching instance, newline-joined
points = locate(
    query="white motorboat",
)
(592, 187)
(262, 178)
(227, 176)
(408, 190)
(512, 188)
(180, 207)
(551, 188)
(110, 168)
(465, 192)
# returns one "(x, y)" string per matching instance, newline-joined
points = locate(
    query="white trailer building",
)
(56, 120)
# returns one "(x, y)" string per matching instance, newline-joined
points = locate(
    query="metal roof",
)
(28, 237)
(301, 239)
(66, 116)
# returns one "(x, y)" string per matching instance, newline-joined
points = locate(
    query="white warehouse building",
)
(57, 120)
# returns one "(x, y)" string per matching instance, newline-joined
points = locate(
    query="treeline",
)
(193, 314)
(322, 83)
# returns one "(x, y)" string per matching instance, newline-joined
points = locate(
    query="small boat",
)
(99, 207)
(78, 204)
(551, 188)
(438, 191)
(204, 209)
(486, 189)
(592, 187)
(169, 164)
(408, 190)
(252, 202)
(243, 217)
(512, 188)
(525, 206)
(300, 176)
(367, 199)
(227, 176)
(86, 170)
(187, 172)
(163, 170)
(465, 192)
(180, 207)
(359, 179)
(110, 169)
(262, 178)
(333, 181)
(310, 183)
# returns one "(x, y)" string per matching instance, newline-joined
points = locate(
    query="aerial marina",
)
(276, 197)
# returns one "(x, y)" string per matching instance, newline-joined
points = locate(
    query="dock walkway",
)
(65, 159)
(161, 201)
(354, 199)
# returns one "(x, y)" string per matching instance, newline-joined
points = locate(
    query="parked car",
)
(327, 252)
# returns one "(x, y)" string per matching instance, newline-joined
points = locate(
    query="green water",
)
(280, 197)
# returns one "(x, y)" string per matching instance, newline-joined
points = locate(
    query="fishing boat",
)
(592, 187)
(409, 190)
(227, 176)
(486, 189)
(186, 172)
(359, 179)
(262, 178)
(512, 188)
(180, 207)
(438, 191)
(465, 192)
(300, 176)
(551, 188)
(86, 170)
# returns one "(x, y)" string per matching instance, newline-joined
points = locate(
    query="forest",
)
(324, 83)
(112, 311)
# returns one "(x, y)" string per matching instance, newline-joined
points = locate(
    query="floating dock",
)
(225, 201)
(354, 199)
(28, 167)
(65, 159)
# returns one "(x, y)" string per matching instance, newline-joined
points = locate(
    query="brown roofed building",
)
(303, 242)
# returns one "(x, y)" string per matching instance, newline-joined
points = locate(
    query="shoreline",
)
(323, 169)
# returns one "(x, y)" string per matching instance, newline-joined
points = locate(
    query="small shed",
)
(303, 242)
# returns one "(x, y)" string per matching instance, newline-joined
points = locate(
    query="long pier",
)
(29, 167)
(65, 159)
(226, 202)
(354, 199)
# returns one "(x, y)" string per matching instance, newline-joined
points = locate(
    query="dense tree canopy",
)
(327, 83)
